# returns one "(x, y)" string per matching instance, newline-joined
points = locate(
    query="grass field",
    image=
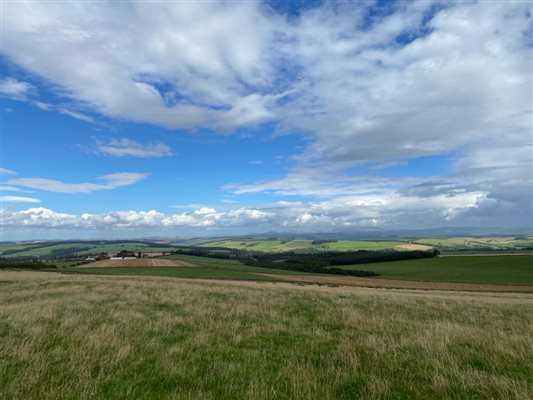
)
(511, 270)
(103, 337)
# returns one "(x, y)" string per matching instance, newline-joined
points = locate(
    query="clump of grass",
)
(103, 337)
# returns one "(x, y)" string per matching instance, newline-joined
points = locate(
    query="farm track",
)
(399, 284)
(139, 262)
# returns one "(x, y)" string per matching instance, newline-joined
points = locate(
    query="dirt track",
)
(139, 262)
(398, 284)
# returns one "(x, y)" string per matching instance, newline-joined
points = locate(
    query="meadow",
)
(104, 337)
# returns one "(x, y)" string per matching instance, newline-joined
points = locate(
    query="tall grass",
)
(103, 337)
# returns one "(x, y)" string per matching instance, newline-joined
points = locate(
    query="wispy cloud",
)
(5, 188)
(15, 89)
(5, 171)
(75, 114)
(131, 148)
(18, 199)
(111, 181)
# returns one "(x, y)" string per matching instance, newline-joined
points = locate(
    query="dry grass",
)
(414, 247)
(102, 337)
(400, 284)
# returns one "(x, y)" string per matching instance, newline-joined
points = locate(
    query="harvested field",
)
(414, 247)
(401, 284)
(139, 262)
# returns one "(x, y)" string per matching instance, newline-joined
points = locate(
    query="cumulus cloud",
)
(203, 217)
(110, 181)
(390, 210)
(131, 148)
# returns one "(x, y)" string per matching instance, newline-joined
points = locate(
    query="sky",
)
(136, 119)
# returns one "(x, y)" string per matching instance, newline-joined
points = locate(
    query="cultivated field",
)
(103, 337)
(478, 273)
(500, 270)
(138, 262)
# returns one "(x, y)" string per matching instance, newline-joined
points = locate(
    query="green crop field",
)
(511, 270)
(121, 337)
(493, 243)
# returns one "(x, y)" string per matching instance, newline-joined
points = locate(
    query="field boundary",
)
(401, 284)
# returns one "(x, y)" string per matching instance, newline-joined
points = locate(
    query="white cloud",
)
(206, 217)
(111, 181)
(75, 114)
(176, 65)
(15, 89)
(18, 199)
(131, 148)
(390, 211)
(366, 89)
(5, 171)
(5, 188)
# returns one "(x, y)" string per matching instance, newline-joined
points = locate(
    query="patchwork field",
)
(489, 273)
(104, 337)
(62, 249)
(492, 243)
(47, 249)
(273, 245)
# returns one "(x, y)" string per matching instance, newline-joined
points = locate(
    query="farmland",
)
(479, 270)
(56, 250)
(107, 337)
(63, 249)
(139, 262)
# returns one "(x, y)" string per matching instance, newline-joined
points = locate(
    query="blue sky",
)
(228, 118)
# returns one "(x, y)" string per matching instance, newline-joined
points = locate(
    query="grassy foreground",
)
(103, 337)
